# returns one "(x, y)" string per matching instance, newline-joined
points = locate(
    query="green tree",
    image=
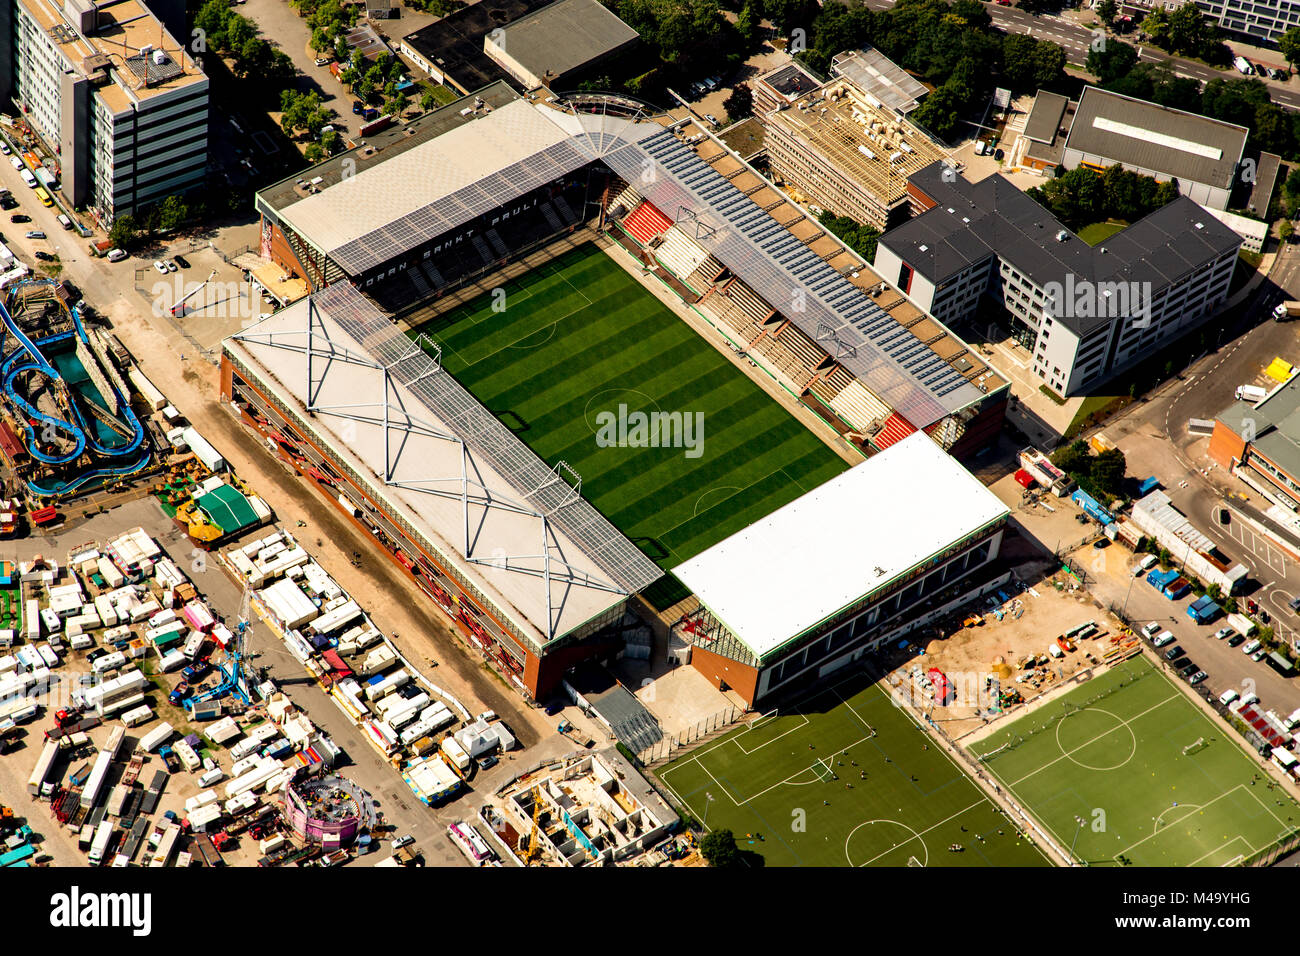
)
(719, 849)
(428, 101)
(747, 25)
(1286, 231)
(331, 142)
(1113, 60)
(123, 232)
(1107, 10)
(173, 212)
(1289, 44)
(740, 103)
(1107, 471)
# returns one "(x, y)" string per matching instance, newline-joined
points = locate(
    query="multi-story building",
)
(840, 146)
(112, 94)
(1084, 312)
(1259, 442)
(1258, 19)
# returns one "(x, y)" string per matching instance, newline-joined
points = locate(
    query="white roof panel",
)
(838, 543)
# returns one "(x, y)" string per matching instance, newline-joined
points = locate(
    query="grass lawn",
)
(1099, 231)
(775, 781)
(1111, 752)
(580, 337)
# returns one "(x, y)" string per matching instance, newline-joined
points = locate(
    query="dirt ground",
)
(1050, 605)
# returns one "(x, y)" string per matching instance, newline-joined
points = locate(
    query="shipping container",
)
(44, 765)
(137, 716)
(99, 846)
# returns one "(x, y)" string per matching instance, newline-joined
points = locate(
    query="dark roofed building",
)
(1084, 312)
(451, 49)
(558, 43)
(1260, 443)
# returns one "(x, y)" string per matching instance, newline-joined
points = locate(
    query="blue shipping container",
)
(1147, 486)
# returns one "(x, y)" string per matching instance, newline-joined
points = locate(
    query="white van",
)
(1163, 638)
(116, 255)
(1243, 65)
(1228, 696)
(64, 221)
(1146, 564)
(1250, 647)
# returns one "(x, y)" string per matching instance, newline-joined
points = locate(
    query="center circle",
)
(635, 400)
(876, 826)
(1092, 731)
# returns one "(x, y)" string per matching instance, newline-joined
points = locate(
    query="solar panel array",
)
(620, 560)
(457, 208)
(889, 359)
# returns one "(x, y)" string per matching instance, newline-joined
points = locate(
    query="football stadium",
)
(557, 348)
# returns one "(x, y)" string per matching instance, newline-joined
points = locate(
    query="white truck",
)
(1286, 310)
(1250, 393)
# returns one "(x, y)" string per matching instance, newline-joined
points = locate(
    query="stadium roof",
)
(393, 207)
(973, 221)
(442, 463)
(1143, 135)
(864, 528)
(562, 36)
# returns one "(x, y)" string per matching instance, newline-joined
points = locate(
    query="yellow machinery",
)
(534, 844)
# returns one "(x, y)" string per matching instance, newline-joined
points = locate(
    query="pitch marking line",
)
(1204, 806)
(1123, 724)
(1224, 846)
(920, 836)
(747, 753)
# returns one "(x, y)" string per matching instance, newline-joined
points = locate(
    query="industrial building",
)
(1085, 313)
(557, 44)
(838, 146)
(914, 536)
(880, 78)
(1201, 156)
(1260, 443)
(453, 50)
(112, 94)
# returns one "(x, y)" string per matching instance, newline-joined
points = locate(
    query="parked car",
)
(178, 694)
(1236, 640)
(19, 217)
(1163, 638)
(488, 762)
(1197, 677)
(1228, 696)
(116, 255)
(1251, 648)
(711, 118)
(95, 655)
(1150, 630)
(8, 202)
(1294, 603)
(45, 257)
(181, 261)
(401, 841)
(1102, 542)
(1185, 667)
(159, 267)
(322, 60)
(1223, 632)
(4, 148)
(1259, 655)
(171, 266)
(35, 234)
(1174, 652)
(998, 154)
(357, 107)
(1248, 699)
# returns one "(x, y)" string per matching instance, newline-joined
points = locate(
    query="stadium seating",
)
(858, 406)
(629, 199)
(812, 355)
(781, 363)
(754, 307)
(645, 222)
(498, 246)
(565, 210)
(736, 324)
(895, 429)
(679, 254)
(705, 275)
(549, 214)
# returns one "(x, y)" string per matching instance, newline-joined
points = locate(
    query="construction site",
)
(589, 809)
(839, 148)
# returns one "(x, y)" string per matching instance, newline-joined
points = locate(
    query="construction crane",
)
(234, 674)
(534, 844)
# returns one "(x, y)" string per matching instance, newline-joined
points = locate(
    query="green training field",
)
(1111, 753)
(796, 780)
(580, 337)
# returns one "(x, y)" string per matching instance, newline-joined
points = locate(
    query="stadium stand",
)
(896, 428)
(645, 223)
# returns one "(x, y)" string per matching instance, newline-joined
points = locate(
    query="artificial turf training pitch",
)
(1111, 753)
(578, 337)
(773, 786)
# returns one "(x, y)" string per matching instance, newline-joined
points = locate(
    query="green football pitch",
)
(580, 337)
(845, 778)
(1154, 779)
